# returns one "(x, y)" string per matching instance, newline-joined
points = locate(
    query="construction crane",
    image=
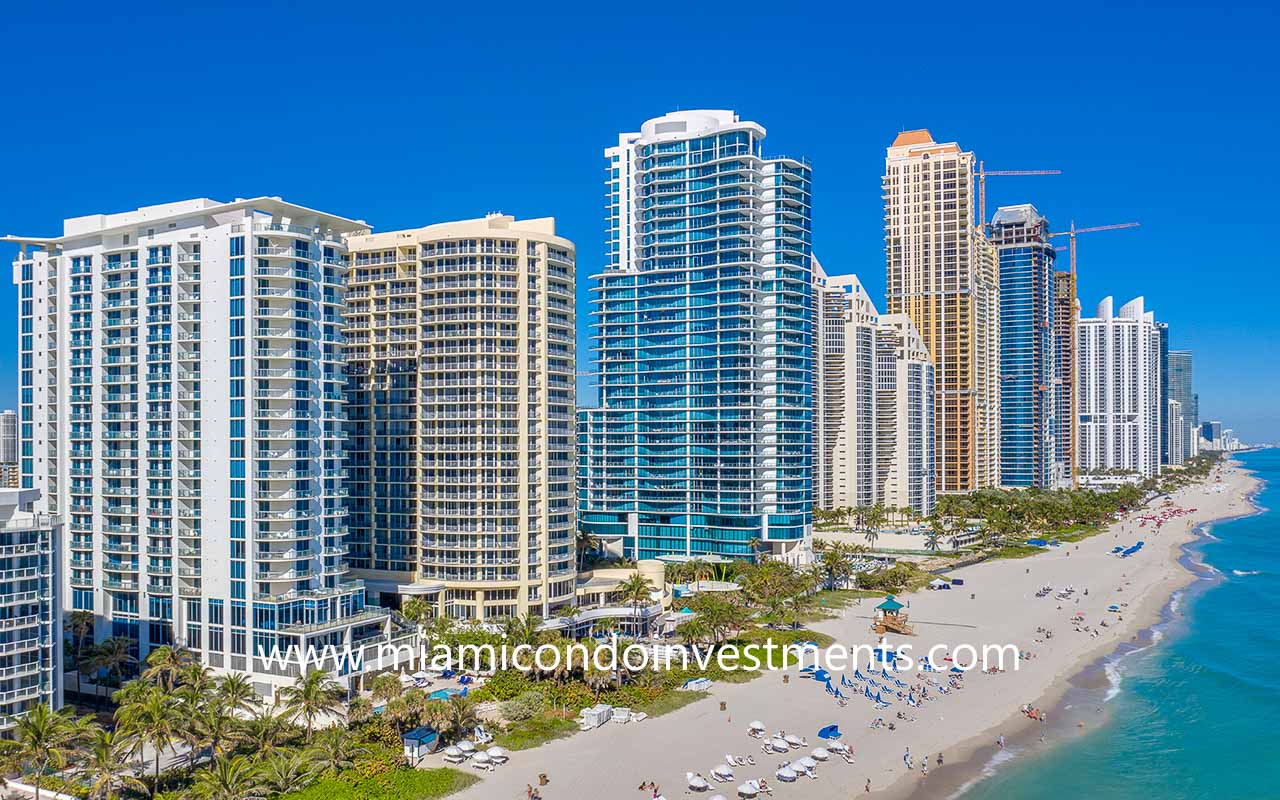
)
(983, 174)
(1073, 230)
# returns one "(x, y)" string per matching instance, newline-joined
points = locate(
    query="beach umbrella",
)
(723, 770)
(717, 797)
(748, 790)
(808, 762)
(497, 753)
(756, 725)
(466, 746)
(785, 773)
(791, 739)
(481, 757)
(829, 732)
(779, 745)
(821, 753)
(452, 751)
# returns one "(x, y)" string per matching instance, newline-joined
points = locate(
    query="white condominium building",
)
(461, 402)
(874, 403)
(904, 417)
(182, 377)
(30, 614)
(845, 393)
(1118, 390)
(8, 437)
(943, 273)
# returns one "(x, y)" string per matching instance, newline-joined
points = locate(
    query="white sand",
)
(613, 761)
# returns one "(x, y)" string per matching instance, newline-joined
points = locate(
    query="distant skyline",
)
(429, 114)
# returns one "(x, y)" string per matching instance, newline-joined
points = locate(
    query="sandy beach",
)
(997, 605)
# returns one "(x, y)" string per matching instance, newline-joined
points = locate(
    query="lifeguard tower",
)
(890, 619)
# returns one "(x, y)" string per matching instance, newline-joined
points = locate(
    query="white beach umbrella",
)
(452, 751)
(698, 783)
(723, 770)
(748, 790)
(756, 725)
(807, 762)
(718, 797)
(482, 757)
(821, 753)
(466, 746)
(792, 740)
(785, 774)
(497, 753)
(779, 745)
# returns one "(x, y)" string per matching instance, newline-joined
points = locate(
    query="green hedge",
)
(403, 784)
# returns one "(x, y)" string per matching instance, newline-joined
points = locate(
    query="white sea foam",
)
(1243, 572)
(988, 769)
(1114, 677)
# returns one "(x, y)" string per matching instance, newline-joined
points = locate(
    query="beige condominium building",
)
(873, 407)
(460, 402)
(942, 273)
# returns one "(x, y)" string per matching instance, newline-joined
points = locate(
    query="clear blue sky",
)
(408, 114)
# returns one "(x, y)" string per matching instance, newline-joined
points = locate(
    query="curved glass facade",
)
(702, 330)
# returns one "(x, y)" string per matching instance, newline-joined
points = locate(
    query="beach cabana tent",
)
(419, 742)
(829, 732)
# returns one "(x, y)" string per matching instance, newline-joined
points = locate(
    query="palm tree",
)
(165, 664)
(835, 564)
(151, 719)
(79, 625)
(213, 727)
(106, 766)
(359, 710)
(635, 591)
(228, 779)
(90, 661)
(116, 656)
(43, 740)
(263, 732)
(871, 535)
(385, 687)
(523, 630)
(455, 718)
(288, 771)
(417, 610)
(584, 543)
(237, 694)
(335, 750)
(312, 695)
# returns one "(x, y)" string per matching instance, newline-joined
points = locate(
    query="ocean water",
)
(1193, 714)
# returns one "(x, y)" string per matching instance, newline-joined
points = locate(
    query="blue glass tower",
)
(1027, 362)
(702, 326)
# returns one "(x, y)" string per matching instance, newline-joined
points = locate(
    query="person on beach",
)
(939, 759)
(906, 758)
(867, 789)
(1000, 741)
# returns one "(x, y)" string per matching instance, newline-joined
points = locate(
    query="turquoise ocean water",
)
(1195, 715)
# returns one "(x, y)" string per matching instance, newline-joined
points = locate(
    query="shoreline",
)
(1000, 604)
(1086, 677)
